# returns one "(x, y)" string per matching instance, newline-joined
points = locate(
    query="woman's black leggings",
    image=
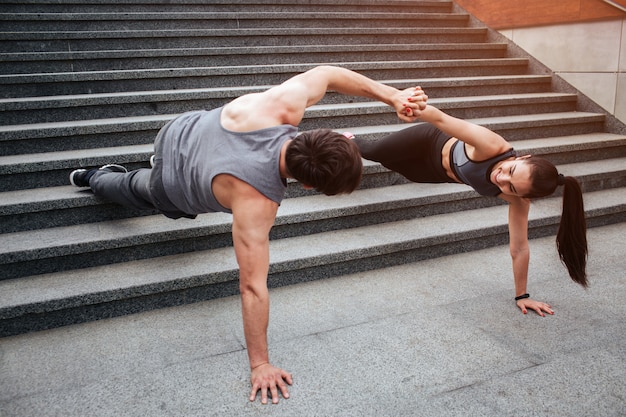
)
(414, 152)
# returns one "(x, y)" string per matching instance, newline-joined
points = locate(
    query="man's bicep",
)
(251, 244)
(299, 92)
(253, 218)
(305, 89)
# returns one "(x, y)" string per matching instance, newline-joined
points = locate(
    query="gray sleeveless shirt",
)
(476, 174)
(196, 148)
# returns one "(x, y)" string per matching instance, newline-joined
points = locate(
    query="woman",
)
(447, 149)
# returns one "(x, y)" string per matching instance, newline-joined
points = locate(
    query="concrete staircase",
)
(84, 83)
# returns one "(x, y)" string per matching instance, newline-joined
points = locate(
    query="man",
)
(236, 159)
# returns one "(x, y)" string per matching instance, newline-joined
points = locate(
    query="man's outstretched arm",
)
(287, 102)
(253, 217)
(308, 88)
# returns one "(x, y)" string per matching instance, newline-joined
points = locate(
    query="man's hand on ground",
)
(266, 378)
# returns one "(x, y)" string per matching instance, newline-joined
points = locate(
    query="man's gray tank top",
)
(476, 174)
(196, 148)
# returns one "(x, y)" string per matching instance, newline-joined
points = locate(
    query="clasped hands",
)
(410, 102)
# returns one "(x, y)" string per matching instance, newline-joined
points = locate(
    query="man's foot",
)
(81, 177)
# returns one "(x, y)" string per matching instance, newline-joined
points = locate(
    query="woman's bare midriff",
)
(445, 158)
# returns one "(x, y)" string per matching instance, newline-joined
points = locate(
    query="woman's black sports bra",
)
(476, 174)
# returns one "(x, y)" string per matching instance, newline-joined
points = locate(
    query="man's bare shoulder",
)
(257, 111)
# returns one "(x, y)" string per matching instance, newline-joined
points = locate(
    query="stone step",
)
(163, 21)
(50, 169)
(65, 205)
(516, 127)
(55, 41)
(127, 239)
(106, 60)
(81, 134)
(94, 82)
(202, 6)
(79, 108)
(36, 110)
(71, 247)
(41, 208)
(56, 299)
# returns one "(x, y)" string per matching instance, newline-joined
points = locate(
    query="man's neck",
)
(282, 165)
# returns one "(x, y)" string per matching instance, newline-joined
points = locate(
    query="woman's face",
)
(512, 177)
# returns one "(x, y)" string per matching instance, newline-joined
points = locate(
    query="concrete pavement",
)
(436, 338)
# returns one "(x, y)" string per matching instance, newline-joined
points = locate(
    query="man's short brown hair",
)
(326, 161)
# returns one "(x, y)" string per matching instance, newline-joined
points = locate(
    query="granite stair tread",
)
(248, 32)
(286, 69)
(155, 121)
(50, 169)
(501, 122)
(42, 199)
(507, 104)
(153, 58)
(134, 153)
(116, 98)
(35, 199)
(118, 6)
(74, 159)
(83, 82)
(63, 241)
(198, 38)
(116, 232)
(40, 294)
(183, 15)
(80, 22)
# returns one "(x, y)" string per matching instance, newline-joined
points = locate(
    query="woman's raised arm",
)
(481, 143)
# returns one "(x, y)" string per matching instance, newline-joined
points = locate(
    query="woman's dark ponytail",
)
(571, 238)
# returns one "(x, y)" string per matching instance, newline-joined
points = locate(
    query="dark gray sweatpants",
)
(130, 189)
(141, 189)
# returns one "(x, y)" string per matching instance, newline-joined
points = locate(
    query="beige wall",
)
(589, 55)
